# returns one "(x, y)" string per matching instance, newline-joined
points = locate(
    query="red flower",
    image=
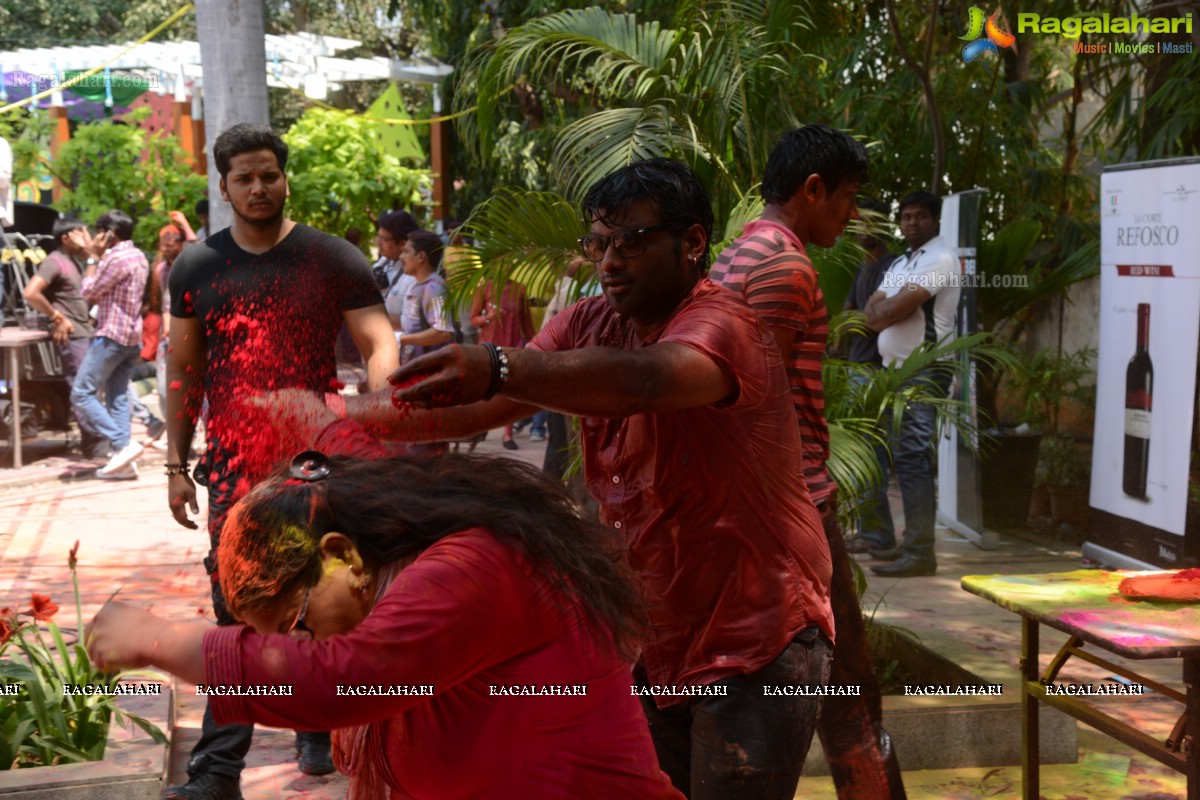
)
(71, 560)
(6, 630)
(7, 613)
(43, 607)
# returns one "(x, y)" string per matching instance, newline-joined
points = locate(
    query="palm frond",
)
(527, 237)
(590, 148)
(590, 51)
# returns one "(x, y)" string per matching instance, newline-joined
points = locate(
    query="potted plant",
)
(1012, 417)
(1047, 385)
(1067, 470)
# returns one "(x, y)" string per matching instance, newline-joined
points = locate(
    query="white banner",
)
(1149, 324)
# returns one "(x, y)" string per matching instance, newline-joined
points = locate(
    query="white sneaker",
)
(122, 458)
(126, 473)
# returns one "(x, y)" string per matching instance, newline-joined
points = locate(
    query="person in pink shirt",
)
(436, 612)
(502, 315)
(114, 281)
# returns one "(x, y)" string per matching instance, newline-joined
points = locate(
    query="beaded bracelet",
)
(176, 468)
(500, 369)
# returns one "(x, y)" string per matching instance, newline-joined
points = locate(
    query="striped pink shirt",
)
(769, 266)
(117, 289)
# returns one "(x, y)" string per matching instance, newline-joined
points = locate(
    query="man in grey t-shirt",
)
(55, 291)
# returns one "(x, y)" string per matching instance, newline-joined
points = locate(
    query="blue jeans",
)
(539, 422)
(914, 472)
(106, 367)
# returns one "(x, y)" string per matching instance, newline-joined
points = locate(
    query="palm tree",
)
(234, 57)
(711, 91)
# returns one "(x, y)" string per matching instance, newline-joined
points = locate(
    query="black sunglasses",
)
(628, 243)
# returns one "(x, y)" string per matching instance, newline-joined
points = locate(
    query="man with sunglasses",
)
(690, 445)
(809, 187)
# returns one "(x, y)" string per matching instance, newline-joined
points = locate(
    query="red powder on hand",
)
(175, 385)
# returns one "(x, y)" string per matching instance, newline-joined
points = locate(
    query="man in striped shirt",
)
(114, 281)
(809, 187)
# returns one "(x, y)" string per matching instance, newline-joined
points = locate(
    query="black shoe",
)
(205, 786)
(314, 757)
(887, 554)
(509, 444)
(907, 567)
(857, 545)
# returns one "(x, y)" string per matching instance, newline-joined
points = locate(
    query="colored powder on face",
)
(258, 556)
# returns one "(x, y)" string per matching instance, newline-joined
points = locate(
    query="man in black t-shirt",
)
(255, 308)
(863, 348)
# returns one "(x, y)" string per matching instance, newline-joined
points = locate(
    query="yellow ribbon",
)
(382, 120)
(84, 75)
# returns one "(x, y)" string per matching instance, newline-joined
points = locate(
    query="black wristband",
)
(176, 468)
(494, 384)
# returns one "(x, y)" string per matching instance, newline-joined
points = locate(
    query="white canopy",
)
(290, 60)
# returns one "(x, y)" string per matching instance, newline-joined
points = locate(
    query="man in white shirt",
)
(6, 187)
(916, 303)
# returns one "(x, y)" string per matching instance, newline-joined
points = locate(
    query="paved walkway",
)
(129, 541)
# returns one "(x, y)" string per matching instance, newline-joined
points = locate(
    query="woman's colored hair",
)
(393, 508)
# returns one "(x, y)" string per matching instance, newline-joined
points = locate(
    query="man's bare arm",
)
(372, 333)
(378, 414)
(592, 382)
(187, 359)
(883, 311)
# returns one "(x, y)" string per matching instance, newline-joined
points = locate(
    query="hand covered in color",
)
(451, 376)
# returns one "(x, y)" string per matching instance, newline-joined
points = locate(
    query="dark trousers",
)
(558, 443)
(913, 465)
(746, 745)
(857, 748)
(222, 749)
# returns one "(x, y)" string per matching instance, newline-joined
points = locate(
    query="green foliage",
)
(1048, 382)
(341, 177)
(114, 164)
(522, 236)
(43, 725)
(62, 23)
(859, 396)
(29, 136)
(708, 93)
(1063, 464)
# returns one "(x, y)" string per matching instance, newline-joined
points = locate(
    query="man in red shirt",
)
(690, 445)
(809, 187)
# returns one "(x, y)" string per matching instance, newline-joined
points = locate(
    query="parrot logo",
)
(995, 39)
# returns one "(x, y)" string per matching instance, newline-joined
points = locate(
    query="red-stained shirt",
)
(468, 615)
(769, 266)
(728, 545)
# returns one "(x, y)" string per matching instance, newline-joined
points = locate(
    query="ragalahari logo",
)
(992, 43)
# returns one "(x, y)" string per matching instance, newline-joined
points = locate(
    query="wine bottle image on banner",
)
(1139, 391)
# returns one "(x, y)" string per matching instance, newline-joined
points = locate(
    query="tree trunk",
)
(233, 55)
